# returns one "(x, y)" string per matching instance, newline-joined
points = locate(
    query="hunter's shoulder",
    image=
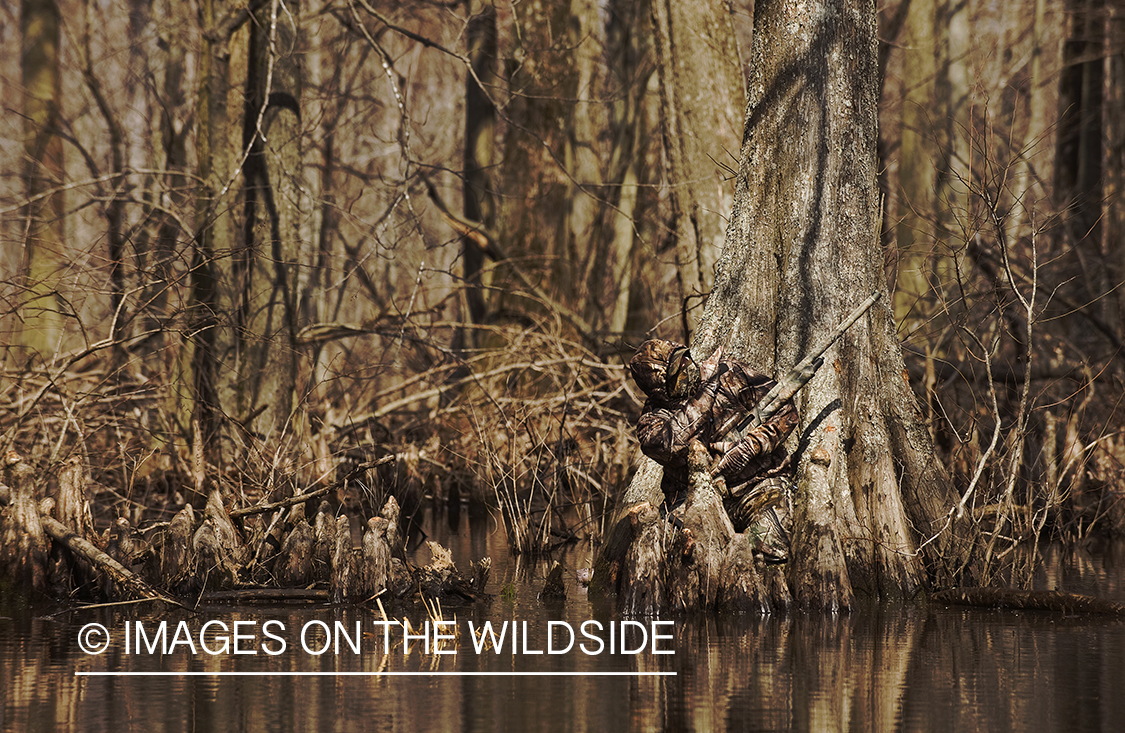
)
(734, 372)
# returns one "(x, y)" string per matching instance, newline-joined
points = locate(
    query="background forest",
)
(247, 245)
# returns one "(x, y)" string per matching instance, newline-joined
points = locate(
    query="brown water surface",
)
(884, 668)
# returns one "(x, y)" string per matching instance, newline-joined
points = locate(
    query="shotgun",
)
(795, 378)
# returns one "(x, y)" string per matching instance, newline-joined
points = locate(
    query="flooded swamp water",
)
(573, 667)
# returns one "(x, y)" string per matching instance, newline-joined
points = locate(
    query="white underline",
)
(374, 674)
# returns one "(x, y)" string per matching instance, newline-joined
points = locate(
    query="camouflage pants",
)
(764, 509)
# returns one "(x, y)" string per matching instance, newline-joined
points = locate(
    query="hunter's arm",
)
(665, 433)
(747, 388)
(759, 441)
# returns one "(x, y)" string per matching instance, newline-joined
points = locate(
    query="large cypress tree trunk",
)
(801, 251)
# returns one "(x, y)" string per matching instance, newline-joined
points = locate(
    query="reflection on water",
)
(885, 668)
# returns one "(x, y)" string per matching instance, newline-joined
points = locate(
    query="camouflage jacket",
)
(667, 426)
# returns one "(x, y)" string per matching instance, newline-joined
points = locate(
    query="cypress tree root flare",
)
(206, 557)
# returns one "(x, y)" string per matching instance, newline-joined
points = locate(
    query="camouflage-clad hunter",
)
(687, 401)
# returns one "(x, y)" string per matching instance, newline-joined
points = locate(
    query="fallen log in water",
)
(440, 579)
(118, 572)
(266, 595)
(1028, 600)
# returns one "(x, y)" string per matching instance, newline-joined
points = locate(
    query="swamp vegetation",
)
(398, 254)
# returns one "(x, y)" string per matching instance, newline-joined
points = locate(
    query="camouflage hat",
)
(650, 366)
(682, 379)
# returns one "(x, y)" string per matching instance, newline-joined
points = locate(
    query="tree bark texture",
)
(934, 157)
(1115, 158)
(268, 272)
(803, 244)
(1078, 156)
(801, 251)
(631, 210)
(612, 273)
(481, 86)
(701, 100)
(197, 366)
(156, 255)
(543, 169)
(41, 319)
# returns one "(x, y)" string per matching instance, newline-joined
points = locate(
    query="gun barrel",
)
(798, 376)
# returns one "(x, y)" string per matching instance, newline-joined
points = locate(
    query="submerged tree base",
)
(653, 566)
(691, 559)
